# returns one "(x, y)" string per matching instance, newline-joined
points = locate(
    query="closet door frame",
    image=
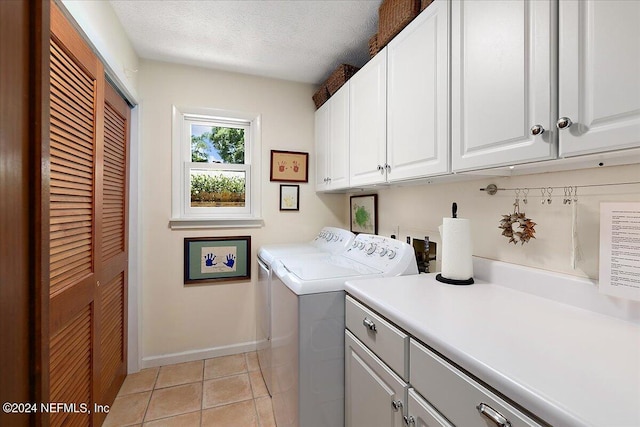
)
(24, 110)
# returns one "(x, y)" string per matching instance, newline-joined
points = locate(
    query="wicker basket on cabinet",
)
(393, 16)
(321, 95)
(339, 77)
(373, 46)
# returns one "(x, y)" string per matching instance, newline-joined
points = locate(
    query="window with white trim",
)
(216, 168)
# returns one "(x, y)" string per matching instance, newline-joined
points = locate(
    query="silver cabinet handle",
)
(387, 166)
(381, 169)
(397, 405)
(368, 323)
(409, 420)
(495, 416)
(537, 130)
(564, 122)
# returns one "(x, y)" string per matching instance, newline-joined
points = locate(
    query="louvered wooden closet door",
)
(88, 251)
(112, 292)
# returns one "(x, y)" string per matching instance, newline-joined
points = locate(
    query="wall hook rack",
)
(492, 189)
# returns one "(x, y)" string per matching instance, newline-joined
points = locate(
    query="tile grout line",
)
(246, 371)
(153, 388)
(255, 407)
(253, 396)
(204, 366)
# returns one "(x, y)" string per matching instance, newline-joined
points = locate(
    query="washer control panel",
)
(380, 252)
(333, 239)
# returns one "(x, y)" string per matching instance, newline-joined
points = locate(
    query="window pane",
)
(217, 144)
(217, 188)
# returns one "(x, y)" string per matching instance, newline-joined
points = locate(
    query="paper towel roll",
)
(456, 249)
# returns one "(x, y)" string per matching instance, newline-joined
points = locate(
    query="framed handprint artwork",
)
(216, 259)
(289, 166)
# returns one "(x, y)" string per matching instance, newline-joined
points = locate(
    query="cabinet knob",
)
(537, 130)
(496, 417)
(381, 169)
(564, 122)
(409, 420)
(397, 405)
(369, 324)
(387, 166)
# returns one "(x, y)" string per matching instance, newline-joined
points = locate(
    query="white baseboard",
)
(192, 355)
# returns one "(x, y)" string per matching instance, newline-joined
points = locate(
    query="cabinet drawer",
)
(457, 396)
(388, 342)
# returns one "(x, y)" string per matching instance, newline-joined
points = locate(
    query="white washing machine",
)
(307, 366)
(329, 240)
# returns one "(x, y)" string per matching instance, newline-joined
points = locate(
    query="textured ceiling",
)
(298, 40)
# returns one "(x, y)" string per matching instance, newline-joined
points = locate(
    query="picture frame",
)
(289, 197)
(364, 214)
(289, 166)
(216, 259)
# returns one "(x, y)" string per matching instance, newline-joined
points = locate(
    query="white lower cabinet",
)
(437, 393)
(420, 413)
(374, 395)
(458, 397)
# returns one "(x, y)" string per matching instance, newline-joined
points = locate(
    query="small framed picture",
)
(217, 259)
(364, 214)
(289, 197)
(289, 166)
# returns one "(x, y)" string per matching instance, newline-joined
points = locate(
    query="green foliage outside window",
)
(220, 189)
(227, 142)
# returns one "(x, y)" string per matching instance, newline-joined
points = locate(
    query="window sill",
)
(197, 223)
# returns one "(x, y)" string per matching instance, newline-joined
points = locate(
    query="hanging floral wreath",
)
(517, 227)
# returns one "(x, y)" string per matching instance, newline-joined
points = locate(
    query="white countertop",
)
(567, 365)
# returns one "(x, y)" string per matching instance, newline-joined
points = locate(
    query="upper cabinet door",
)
(502, 82)
(322, 146)
(368, 122)
(418, 96)
(599, 76)
(338, 165)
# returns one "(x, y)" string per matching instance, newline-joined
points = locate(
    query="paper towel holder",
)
(439, 276)
(442, 279)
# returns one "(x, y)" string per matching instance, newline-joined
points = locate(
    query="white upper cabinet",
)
(599, 76)
(502, 77)
(332, 142)
(368, 122)
(322, 146)
(418, 97)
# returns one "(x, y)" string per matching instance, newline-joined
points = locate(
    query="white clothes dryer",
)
(307, 309)
(329, 240)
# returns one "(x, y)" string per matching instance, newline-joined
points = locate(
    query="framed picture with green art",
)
(364, 214)
(217, 259)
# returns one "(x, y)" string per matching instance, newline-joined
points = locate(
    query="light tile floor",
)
(220, 392)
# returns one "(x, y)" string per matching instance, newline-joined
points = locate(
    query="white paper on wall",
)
(620, 249)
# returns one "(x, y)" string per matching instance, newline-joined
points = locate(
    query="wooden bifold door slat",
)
(87, 214)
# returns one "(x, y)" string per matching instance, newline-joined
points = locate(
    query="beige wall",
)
(103, 29)
(194, 319)
(418, 210)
